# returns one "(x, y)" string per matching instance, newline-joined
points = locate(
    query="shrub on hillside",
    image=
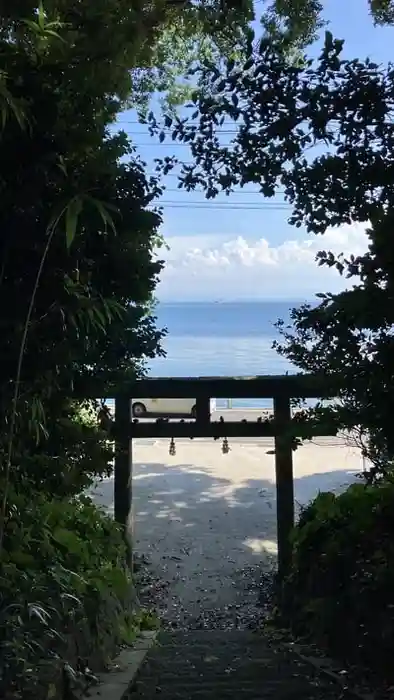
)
(340, 591)
(65, 454)
(66, 598)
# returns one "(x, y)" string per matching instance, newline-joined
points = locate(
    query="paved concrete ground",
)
(207, 521)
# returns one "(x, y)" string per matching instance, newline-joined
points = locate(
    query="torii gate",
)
(282, 427)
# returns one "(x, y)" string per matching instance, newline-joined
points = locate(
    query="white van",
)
(167, 407)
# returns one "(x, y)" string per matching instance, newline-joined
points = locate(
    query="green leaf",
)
(328, 40)
(9, 105)
(32, 25)
(248, 64)
(69, 540)
(22, 559)
(104, 209)
(41, 16)
(73, 211)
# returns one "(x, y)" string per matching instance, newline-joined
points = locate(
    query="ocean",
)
(221, 339)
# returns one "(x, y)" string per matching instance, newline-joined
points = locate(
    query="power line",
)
(176, 144)
(170, 144)
(177, 189)
(244, 204)
(243, 192)
(135, 121)
(178, 175)
(170, 129)
(202, 205)
(180, 163)
(167, 129)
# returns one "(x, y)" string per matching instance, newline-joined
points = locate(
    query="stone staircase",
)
(224, 665)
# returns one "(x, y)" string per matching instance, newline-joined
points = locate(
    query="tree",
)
(382, 11)
(302, 19)
(281, 112)
(78, 269)
(79, 233)
(297, 20)
(186, 34)
(133, 49)
(75, 199)
(78, 261)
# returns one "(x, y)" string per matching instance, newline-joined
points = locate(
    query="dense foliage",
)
(79, 265)
(66, 599)
(140, 47)
(340, 591)
(78, 270)
(301, 19)
(281, 113)
(77, 239)
(297, 20)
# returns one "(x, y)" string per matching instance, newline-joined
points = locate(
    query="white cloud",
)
(216, 267)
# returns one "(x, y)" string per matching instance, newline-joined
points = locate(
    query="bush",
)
(67, 454)
(340, 591)
(66, 598)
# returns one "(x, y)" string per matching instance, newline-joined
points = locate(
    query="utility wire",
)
(166, 130)
(217, 205)
(169, 129)
(136, 122)
(170, 144)
(177, 189)
(178, 175)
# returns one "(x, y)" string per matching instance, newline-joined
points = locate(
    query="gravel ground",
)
(205, 524)
(253, 593)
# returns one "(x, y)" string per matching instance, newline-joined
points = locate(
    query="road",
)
(251, 414)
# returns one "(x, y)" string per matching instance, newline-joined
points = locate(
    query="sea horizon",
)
(193, 302)
(221, 339)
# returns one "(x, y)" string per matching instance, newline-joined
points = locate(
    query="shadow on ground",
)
(209, 539)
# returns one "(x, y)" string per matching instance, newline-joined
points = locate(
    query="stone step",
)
(234, 665)
(196, 637)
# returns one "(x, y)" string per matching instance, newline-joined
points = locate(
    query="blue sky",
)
(229, 250)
